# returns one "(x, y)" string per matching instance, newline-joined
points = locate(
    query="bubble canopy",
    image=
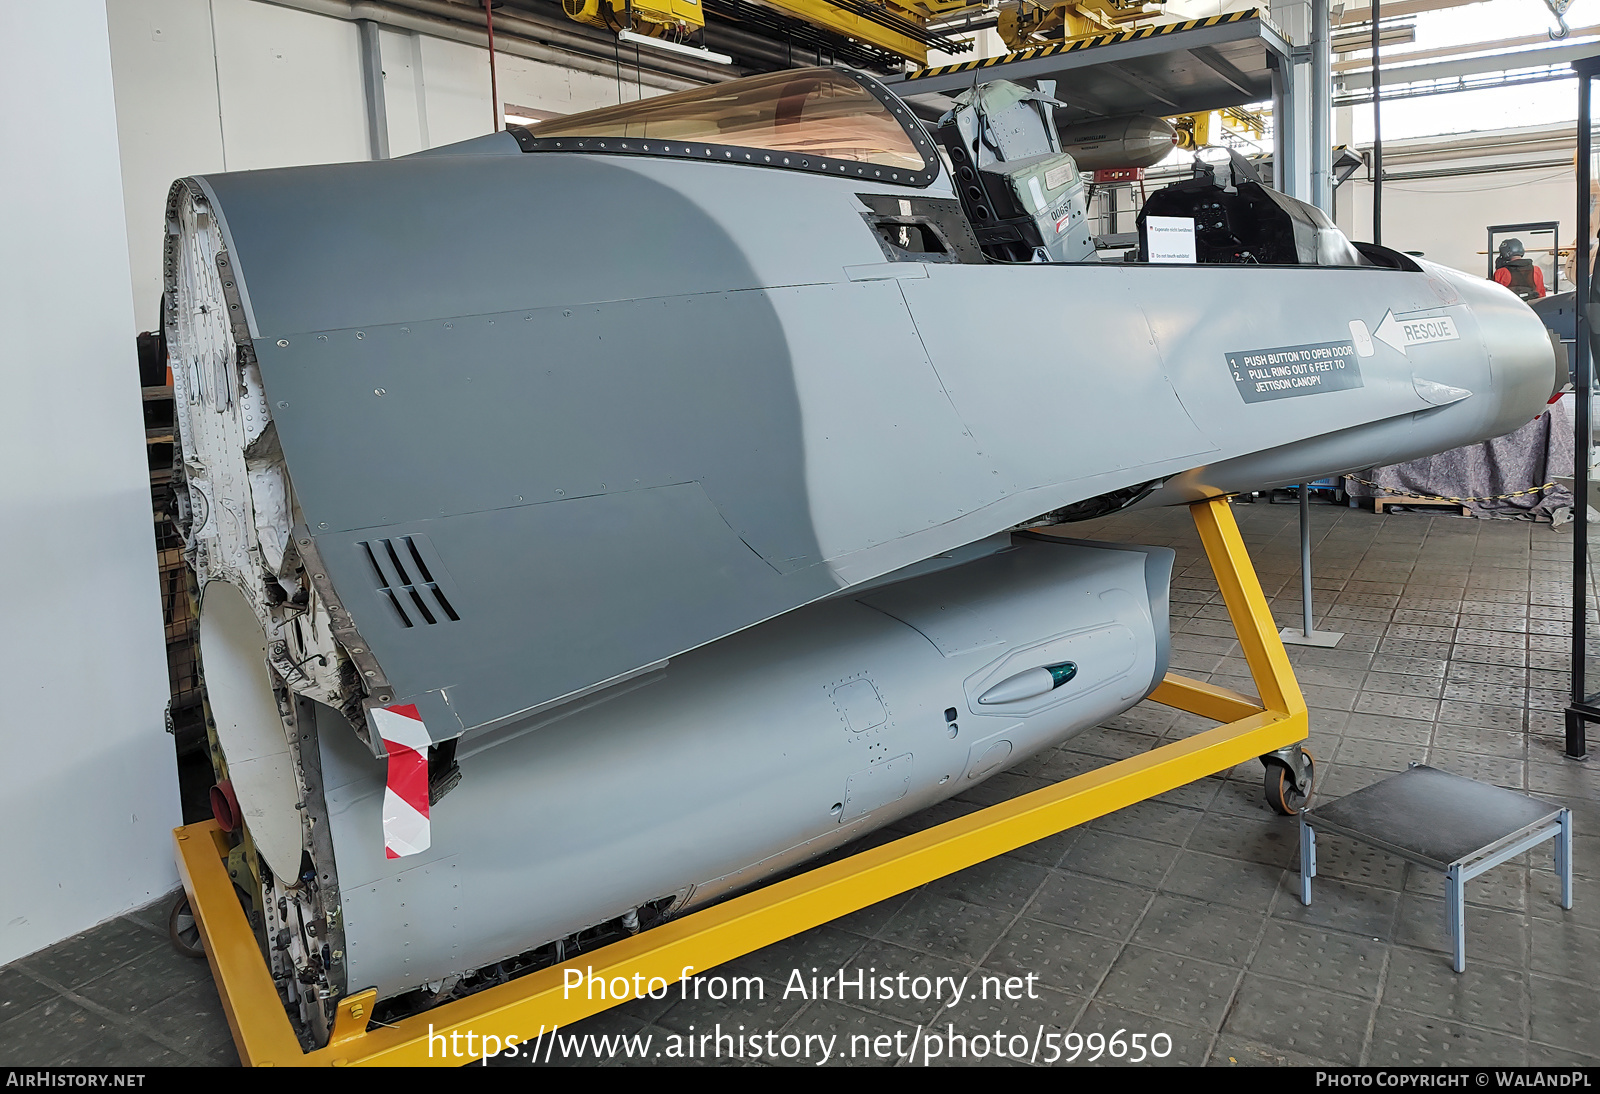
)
(818, 119)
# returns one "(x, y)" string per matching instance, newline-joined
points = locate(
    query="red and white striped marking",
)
(405, 797)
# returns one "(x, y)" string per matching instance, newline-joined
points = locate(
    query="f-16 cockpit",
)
(1021, 193)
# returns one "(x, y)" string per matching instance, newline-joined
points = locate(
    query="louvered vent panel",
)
(406, 580)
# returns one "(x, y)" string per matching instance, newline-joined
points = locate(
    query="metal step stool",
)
(1457, 826)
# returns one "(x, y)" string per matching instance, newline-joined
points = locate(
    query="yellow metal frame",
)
(834, 18)
(1073, 44)
(1252, 727)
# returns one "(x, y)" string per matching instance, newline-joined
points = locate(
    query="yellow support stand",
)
(699, 941)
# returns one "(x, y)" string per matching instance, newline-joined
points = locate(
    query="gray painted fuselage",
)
(628, 435)
(544, 421)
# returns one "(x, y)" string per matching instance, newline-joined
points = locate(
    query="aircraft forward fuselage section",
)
(738, 368)
(566, 443)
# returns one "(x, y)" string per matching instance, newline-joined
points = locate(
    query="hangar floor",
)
(1178, 915)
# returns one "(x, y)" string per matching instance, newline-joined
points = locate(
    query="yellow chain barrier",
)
(1459, 501)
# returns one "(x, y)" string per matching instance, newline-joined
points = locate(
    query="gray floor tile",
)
(1048, 851)
(1228, 882)
(698, 1010)
(1505, 887)
(880, 960)
(1196, 795)
(1097, 906)
(1120, 858)
(946, 927)
(1433, 667)
(1564, 949)
(1548, 1056)
(1564, 1015)
(1397, 706)
(1064, 959)
(1383, 755)
(1344, 963)
(1563, 780)
(1484, 995)
(826, 947)
(1300, 1019)
(1336, 780)
(1499, 770)
(59, 1031)
(1185, 926)
(1488, 674)
(1004, 883)
(1183, 990)
(1016, 1021)
(1400, 1039)
(1174, 1045)
(1241, 838)
(192, 1023)
(1488, 742)
(1493, 936)
(1395, 683)
(1328, 675)
(20, 992)
(873, 918)
(1340, 906)
(1490, 655)
(1114, 744)
(841, 1035)
(1482, 715)
(1426, 618)
(1243, 796)
(154, 914)
(95, 953)
(1346, 859)
(1152, 820)
(1468, 691)
(1322, 697)
(148, 979)
(1544, 901)
(1231, 1051)
(1379, 727)
(1413, 648)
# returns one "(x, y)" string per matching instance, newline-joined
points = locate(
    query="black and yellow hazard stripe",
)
(1541, 488)
(1087, 43)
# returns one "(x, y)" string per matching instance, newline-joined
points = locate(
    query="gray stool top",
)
(1432, 817)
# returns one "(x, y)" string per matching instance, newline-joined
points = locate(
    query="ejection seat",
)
(1022, 194)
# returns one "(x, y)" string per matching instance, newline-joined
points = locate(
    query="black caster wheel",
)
(183, 931)
(1282, 796)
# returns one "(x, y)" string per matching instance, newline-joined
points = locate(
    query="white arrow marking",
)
(1402, 334)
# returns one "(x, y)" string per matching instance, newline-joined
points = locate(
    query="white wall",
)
(88, 788)
(168, 122)
(289, 85)
(238, 85)
(1447, 218)
(223, 85)
(562, 90)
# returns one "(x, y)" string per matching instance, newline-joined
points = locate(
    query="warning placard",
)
(1282, 373)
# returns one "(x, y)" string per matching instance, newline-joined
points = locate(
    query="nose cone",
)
(1523, 366)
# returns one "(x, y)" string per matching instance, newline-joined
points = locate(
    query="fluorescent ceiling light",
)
(673, 47)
